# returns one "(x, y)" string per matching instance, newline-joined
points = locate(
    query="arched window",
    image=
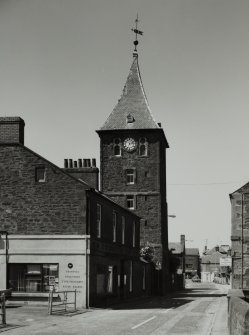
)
(143, 146)
(117, 147)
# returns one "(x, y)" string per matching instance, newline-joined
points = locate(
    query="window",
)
(98, 220)
(114, 226)
(117, 147)
(33, 277)
(130, 176)
(130, 201)
(143, 147)
(123, 230)
(40, 174)
(134, 234)
(131, 275)
(110, 280)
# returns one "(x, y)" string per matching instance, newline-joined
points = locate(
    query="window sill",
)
(33, 294)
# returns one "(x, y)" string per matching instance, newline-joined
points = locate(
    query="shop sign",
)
(226, 261)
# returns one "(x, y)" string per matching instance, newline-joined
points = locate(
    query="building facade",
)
(56, 231)
(240, 237)
(133, 165)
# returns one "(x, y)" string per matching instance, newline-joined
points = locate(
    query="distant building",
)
(214, 264)
(192, 262)
(177, 263)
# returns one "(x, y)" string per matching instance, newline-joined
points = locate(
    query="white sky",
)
(63, 65)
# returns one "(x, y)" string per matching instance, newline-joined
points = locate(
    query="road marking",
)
(142, 323)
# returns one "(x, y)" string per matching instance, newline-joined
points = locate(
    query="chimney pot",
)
(94, 162)
(65, 163)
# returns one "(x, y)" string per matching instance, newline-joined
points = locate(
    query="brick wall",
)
(56, 206)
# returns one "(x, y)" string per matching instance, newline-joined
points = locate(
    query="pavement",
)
(201, 309)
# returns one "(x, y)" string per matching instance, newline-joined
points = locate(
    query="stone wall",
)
(238, 313)
(240, 238)
(54, 206)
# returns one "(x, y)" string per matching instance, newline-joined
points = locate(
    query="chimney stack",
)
(11, 130)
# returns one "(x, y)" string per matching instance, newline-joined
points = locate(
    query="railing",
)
(64, 302)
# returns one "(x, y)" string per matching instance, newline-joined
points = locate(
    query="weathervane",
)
(137, 32)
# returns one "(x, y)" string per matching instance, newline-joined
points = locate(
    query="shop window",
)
(99, 220)
(130, 176)
(114, 227)
(33, 277)
(117, 147)
(40, 174)
(130, 201)
(143, 147)
(123, 230)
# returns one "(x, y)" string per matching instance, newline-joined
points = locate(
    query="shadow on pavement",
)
(153, 303)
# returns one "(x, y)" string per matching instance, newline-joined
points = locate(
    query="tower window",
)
(99, 220)
(117, 147)
(123, 230)
(130, 201)
(143, 147)
(130, 176)
(40, 174)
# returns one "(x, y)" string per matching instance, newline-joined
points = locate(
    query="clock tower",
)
(133, 165)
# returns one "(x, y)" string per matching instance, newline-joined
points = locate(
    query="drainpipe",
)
(4, 232)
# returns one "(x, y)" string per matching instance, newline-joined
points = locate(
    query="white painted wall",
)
(61, 249)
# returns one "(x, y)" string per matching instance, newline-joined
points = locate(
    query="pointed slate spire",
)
(132, 110)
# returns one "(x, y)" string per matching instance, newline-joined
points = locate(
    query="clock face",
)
(129, 144)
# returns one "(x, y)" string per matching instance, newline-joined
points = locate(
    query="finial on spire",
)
(137, 32)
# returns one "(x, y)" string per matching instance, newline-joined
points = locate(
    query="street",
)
(201, 309)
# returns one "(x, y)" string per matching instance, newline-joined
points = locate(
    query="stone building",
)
(240, 237)
(58, 231)
(211, 264)
(133, 165)
(192, 262)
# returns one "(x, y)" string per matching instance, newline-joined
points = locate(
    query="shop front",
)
(32, 265)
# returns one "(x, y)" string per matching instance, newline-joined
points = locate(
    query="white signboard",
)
(226, 261)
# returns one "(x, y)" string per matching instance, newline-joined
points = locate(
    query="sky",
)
(63, 65)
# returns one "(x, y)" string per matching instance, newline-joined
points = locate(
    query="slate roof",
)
(213, 258)
(177, 246)
(132, 110)
(192, 251)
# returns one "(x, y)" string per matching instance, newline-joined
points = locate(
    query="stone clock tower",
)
(133, 164)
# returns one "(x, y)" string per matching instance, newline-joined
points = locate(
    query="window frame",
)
(115, 145)
(123, 224)
(37, 179)
(131, 198)
(134, 234)
(130, 176)
(98, 220)
(114, 227)
(143, 142)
